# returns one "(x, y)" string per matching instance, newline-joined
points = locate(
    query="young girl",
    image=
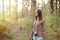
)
(38, 30)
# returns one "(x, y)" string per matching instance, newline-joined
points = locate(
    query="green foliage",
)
(25, 23)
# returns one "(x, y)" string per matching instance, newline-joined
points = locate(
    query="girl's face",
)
(36, 13)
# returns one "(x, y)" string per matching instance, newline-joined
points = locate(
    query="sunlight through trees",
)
(18, 15)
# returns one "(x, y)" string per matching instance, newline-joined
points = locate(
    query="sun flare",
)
(6, 3)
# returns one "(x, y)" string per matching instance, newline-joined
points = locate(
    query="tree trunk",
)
(52, 6)
(3, 10)
(59, 6)
(33, 6)
(10, 7)
(24, 8)
(16, 10)
(56, 4)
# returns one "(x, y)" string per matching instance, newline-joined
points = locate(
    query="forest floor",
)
(13, 30)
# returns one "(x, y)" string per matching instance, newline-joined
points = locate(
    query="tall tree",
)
(16, 10)
(52, 6)
(56, 4)
(33, 5)
(59, 6)
(10, 7)
(24, 7)
(3, 10)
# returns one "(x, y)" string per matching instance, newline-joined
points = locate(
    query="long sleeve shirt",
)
(39, 27)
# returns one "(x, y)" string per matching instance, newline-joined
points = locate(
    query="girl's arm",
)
(44, 29)
(31, 36)
(31, 33)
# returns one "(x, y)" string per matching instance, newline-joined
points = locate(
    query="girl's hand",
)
(44, 34)
(30, 38)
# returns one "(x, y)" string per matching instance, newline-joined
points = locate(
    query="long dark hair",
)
(39, 14)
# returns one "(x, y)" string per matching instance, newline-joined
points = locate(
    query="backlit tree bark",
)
(3, 10)
(16, 10)
(52, 6)
(33, 5)
(56, 4)
(59, 6)
(24, 7)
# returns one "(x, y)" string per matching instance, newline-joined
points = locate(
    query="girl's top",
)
(39, 27)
